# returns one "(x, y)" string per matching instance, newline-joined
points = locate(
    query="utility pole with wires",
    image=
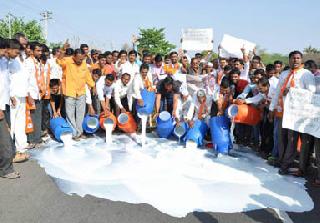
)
(46, 15)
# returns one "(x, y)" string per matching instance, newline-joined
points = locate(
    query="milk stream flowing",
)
(144, 119)
(108, 125)
(67, 140)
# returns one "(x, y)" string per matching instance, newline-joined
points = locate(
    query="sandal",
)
(20, 157)
(13, 175)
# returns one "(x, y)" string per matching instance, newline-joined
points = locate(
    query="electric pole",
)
(46, 15)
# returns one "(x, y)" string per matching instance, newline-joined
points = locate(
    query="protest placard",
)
(231, 46)
(197, 39)
(302, 112)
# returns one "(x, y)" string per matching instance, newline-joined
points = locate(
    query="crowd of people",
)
(38, 83)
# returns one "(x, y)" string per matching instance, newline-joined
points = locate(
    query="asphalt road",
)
(35, 198)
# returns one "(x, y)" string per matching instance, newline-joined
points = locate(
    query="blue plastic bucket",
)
(59, 126)
(220, 134)
(90, 124)
(181, 130)
(197, 133)
(148, 98)
(165, 125)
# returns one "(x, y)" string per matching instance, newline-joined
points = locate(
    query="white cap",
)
(210, 64)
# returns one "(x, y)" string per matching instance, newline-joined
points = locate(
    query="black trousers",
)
(36, 116)
(6, 149)
(45, 115)
(317, 152)
(304, 158)
(7, 115)
(266, 134)
(290, 152)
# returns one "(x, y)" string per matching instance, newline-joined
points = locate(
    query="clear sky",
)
(275, 25)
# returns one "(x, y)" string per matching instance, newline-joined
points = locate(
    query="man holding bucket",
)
(168, 92)
(121, 89)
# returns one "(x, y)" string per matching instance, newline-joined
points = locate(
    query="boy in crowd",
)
(56, 100)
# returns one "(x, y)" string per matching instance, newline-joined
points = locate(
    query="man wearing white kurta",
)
(121, 92)
(4, 77)
(296, 77)
(18, 89)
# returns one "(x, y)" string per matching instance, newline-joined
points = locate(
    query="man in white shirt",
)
(105, 89)
(18, 89)
(130, 66)
(121, 93)
(296, 77)
(141, 81)
(4, 77)
(156, 70)
(202, 107)
(55, 69)
(243, 65)
(185, 106)
(6, 144)
(36, 79)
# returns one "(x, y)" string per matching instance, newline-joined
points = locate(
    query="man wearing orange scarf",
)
(37, 90)
(296, 77)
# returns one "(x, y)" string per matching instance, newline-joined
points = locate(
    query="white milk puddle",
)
(173, 179)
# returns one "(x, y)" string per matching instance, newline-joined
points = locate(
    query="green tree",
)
(311, 50)
(55, 45)
(154, 41)
(32, 29)
(269, 58)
